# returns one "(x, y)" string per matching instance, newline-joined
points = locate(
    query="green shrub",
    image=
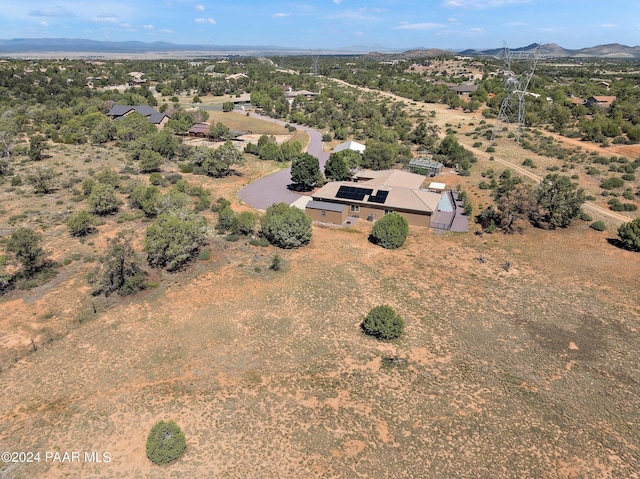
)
(390, 231)
(172, 178)
(598, 225)
(629, 234)
(146, 198)
(276, 263)
(81, 223)
(119, 270)
(108, 176)
(383, 322)
(157, 179)
(244, 223)
(226, 219)
(585, 217)
(165, 443)
(286, 226)
(103, 200)
(529, 162)
(612, 183)
(174, 238)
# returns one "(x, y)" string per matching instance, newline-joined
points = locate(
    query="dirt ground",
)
(527, 371)
(530, 372)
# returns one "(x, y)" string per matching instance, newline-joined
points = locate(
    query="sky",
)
(330, 24)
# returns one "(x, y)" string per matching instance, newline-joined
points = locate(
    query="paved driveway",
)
(272, 189)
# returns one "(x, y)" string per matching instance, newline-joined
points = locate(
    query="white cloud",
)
(165, 30)
(43, 24)
(515, 24)
(608, 25)
(210, 21)
(200, 8)
(361, 14)
(358, 34)
(280, 15)
(105, 19)
(476, 29)
(337, 2)
(51, 12)
(418, 26)
(147, 27)
(481, 3)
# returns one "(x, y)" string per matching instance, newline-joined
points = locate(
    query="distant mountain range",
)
(58, 46)
(50, 46)
(552, 50)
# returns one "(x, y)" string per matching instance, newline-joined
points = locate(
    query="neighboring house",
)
(235, 76)
(372, 198)
(118, 112)
(575, 100)
(601, 101)
(464, 89)
(136, 82)
(199, 130)
(350, 145)
(291, 94)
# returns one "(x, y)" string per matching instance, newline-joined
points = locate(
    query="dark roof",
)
(200, 128)
(120, 110)
(464, 88)
(157, 117)
(325, 205)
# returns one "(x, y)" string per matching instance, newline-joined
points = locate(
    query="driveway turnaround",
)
(273, 188)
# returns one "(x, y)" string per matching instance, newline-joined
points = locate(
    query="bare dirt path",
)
(617, 217)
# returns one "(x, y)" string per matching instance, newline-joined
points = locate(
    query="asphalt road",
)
(273, 188)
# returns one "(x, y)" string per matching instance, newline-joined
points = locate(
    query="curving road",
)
(272, 189)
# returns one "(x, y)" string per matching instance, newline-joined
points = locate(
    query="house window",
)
(355, 209)
(323, 212)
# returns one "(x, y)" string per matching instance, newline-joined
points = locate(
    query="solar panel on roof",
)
(353, 193)
(380, 197)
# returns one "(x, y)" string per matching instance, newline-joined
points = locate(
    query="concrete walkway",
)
(273, 188)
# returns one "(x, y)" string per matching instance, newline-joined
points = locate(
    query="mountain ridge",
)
(73, 45)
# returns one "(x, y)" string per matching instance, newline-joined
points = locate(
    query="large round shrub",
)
(165, 443)
(390, 231)
(286, 226)
(103, 200)
(174, 238)
(383, 322)
(629, 234)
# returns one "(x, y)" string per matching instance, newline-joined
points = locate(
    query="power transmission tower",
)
(515, 86)
(314, 67)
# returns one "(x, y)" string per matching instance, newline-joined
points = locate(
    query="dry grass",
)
(530, 372)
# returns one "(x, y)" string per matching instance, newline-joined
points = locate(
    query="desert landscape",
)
(519, 358)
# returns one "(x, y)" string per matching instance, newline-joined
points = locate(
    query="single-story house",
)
(350, 145)
(388, 191)
(464, 89)
(199, 130)
(601, 101)
(118, 112)
(291, 94)
(389, 178)
(235, 76)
